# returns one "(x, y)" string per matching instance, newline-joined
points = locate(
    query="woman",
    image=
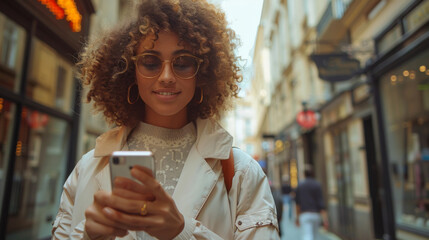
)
(163, 79)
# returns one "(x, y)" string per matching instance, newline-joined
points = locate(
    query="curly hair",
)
(106, 66)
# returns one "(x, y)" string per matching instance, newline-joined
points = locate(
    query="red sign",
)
(306, 119)
(35, 119)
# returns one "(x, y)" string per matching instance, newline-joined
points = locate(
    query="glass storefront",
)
(33, 169)
(12, 43)
(41, 156)
(7, 111)
(405, 99)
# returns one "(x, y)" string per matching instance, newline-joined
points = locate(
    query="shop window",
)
(40, 163)
(417, 17)
(6, 122)
(12, 44)
(50, 79)
(405, 96)
(389, 39)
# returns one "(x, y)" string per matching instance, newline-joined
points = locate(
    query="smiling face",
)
(166, 95)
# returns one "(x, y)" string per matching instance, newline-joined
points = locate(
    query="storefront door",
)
(344, 182)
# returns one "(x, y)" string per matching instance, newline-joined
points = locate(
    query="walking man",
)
(310, 207)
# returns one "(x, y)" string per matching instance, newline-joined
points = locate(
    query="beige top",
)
(169, 146)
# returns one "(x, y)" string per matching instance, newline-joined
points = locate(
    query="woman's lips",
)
(166, 94)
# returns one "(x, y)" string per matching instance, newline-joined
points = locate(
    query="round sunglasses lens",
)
(149, 65)
(185, 66)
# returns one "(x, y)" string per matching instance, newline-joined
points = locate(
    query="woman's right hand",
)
(97, 225)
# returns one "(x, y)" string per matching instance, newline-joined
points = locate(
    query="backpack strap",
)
(228, 170)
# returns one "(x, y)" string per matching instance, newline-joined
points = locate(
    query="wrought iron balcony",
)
(334, 11)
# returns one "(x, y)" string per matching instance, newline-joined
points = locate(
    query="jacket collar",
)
(212, 140)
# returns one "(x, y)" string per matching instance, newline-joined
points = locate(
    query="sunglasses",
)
(184, 66)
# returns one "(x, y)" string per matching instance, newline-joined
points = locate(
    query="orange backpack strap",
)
(228, 170)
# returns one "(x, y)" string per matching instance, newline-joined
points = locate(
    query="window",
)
(417, 17)
(405, 98)
(389, 39)
(7, 110)
(40, 164)
(12, 44)
(50, 78)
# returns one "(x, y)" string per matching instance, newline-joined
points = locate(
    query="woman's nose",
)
(167, 74)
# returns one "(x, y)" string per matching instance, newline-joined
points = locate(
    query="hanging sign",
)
(306, 119)
(336, 67)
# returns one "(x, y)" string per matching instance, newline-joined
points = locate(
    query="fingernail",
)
(108, 211)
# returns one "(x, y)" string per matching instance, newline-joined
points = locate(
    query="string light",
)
(67, 9)
(54, 8)
(18, 148)
(412, 75)
(73, 15)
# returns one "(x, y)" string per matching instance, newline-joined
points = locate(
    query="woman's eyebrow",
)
(151, 51)
(177, 52)
(181, 51)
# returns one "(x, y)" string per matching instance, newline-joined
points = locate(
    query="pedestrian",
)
(163, 79)
(287, 198)
(310, 207)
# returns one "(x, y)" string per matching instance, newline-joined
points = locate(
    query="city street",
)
(290, 231)
(331, 98)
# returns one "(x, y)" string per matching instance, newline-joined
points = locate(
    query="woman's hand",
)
(97, 225)
(160, 216)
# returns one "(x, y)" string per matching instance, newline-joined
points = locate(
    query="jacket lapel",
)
(196, 182)
(200, 172)
(113, 140)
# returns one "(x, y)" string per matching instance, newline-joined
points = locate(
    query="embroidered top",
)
(169, 146)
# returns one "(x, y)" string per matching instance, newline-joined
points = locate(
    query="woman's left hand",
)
(144, 207)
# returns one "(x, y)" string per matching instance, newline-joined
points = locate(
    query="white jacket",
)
(247, 212)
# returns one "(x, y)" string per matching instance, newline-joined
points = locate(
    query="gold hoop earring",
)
(128, 95)
(202, 96)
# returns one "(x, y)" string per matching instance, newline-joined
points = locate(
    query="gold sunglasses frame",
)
(199, 61)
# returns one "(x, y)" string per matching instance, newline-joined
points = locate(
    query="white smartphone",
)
(121, 163)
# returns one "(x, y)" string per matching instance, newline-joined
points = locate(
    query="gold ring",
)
(143, 209)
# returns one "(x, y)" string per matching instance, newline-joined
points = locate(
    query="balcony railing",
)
(335, 10)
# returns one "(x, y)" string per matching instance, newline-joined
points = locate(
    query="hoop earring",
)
(128, 95)
(202, 96)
